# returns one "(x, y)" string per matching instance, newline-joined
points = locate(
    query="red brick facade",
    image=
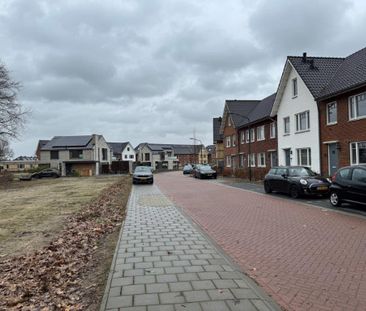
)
(342, 133)
(239, 152)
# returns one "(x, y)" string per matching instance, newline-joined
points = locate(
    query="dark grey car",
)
(143, 174)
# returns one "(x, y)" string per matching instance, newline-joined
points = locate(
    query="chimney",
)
(304, 57)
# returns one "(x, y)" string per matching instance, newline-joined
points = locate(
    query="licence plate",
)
(322, 188)
(209, 174)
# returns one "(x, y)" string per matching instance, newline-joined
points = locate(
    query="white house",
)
(123, 151)
(297, 111)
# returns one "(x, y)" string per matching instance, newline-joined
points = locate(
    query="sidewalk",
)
(163, 262)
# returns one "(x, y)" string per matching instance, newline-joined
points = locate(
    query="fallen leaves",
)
(50, 278)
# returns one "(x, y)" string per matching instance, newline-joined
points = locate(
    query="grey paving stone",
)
(188, 307)
(228, 274)
(215, 306)
(213, 268)
(181, 263)
(208, 275)
(174, 270)
(157, 288)
(146, 300)
(241, 283)
(175, 297)
(143, 265)
(151, 258)
(199, 262)
(198, 285)
(260, 305)
(241, 293)
(161, 308)
(240, 305)
(162, 264)
(145, 279)
(194, 269)
(119, 302)
(133, 289)
(180, 286)
(115, 291)
(196, 295)
(133, 272)
(187, 276)
(220, 294)
(134, 259)
(165, 278)
(121, 281)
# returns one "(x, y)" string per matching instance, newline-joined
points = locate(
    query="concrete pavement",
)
(164, 262)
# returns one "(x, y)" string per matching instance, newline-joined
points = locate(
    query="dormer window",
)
(228, 121)
(294, 87)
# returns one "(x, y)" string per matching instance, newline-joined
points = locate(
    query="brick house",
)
(250, 137)
(342, 111)
(86, 155)
(219, 144)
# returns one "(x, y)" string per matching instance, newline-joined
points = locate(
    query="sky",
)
(158, 70)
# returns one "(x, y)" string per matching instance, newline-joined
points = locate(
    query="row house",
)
(219, 144)
(250, 144)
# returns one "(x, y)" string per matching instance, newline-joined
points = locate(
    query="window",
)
(274, 159)
(332, 113)
(234, 140)
(228, 141)
(302, 121)
(294, 87)
(125, 156)
(242, 137)
(358, 153)
(281, 171)
(131, 156)
(286, 125)
(228, 161)
(242, 160)
(251, 159)
(260, 133)
(252, 135)
(304, 156)
(261, 159)
(104, 154)
(357, 106)
(247, 136)
(228, 121)
(147, 156)
(76, 154)
(20, 166)
(272, 130)
(54, 155)
(359, 175)
(344, 173)
(128, 148)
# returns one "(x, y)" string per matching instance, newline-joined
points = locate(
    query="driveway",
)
(306, 258)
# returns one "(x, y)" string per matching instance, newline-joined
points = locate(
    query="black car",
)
(295, 181)
(48, 172)
(205, 171)
(348, 185)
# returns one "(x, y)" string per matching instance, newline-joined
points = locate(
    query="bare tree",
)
(12, 115)
(5, 151)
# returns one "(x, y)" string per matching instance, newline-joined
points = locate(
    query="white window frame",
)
(228, 121)
(234, 140)
(272, 130)
(308, 156)
(251, 159)
(241, 160)
(247, 136)
(295, 88)
(252, 133)
(261, 133)
(242, 137)
(284, 125)
(336, 113)
(298, 121)
(352, 106)
(228, 141)
(357, 155)
(261, 156)
(228, 161)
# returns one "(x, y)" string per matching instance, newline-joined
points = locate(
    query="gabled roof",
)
(25, 158)
(178, 149)
(42, 142)
(350, 74)
(216, 130)
(117, 148)
(69, 142)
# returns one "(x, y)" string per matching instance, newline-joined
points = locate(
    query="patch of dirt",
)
(70, 272)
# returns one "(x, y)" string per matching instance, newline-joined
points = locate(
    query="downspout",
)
(320, 144)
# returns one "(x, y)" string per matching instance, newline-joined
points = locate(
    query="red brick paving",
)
(305, 257)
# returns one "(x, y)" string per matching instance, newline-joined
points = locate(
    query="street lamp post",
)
(194, 139)
(249, 145)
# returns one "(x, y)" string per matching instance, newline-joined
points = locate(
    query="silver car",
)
(143, 174)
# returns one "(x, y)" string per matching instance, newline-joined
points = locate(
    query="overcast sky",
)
(156, 70)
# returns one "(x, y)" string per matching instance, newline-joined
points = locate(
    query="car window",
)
(301, 171)
(272, 171)
(281, 171)
(344, 174)
(142, 169)
(205, 168)
(359, 175)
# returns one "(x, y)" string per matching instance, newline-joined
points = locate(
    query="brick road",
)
(306, 258)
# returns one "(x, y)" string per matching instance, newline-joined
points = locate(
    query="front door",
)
(332, 158)
(287, 156)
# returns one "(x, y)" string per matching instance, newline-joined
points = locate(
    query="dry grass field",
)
(32, 212)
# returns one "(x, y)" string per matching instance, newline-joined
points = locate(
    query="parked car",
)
(143, 174)
(295, 181)
(187, 169)
(194, 169)
(47, 172)
(348, 185)
(205, 171)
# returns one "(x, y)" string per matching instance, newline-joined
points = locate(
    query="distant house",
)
(85, 155)
(211, 154)
(19, 164)
(40, 145)
(218, 142)
(122, 151)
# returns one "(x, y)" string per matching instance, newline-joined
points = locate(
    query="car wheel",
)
(334, 199)
(267, 187)
(294, 192)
